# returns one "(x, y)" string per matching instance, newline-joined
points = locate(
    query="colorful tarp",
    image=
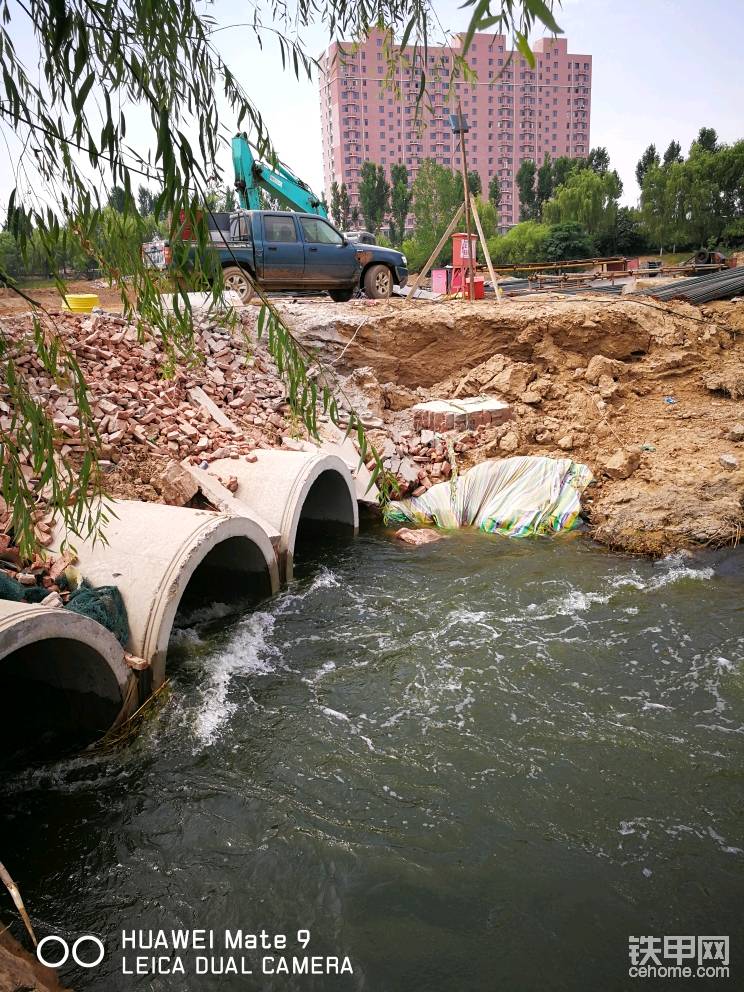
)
(512, 496)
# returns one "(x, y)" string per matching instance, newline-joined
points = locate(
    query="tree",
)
(568, 241)
(707, 139)
(117, 198)
(343, 207)
(436, 194)
(673, 153)
(145, 201)
(400, 203)
(563, 166)
(494, 191)
(374, 191)
(527, 194)
(658, 202)
(355, 218)
(524, 243)
(630, 238)
(99, 60)
(474, 183)
(589, 198)
(229, 200)
(489, 217)
(544, 189)
(335, 209)
(649, 158)
(599, 160)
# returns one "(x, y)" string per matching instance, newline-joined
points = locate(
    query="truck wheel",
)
(340, 295)
(378, 282)
(238, 281)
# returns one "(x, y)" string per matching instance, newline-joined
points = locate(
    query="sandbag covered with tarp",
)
(513, 496)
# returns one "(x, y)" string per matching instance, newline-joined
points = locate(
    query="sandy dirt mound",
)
(649, 395)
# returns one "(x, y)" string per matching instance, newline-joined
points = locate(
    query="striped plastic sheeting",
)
(515, 497)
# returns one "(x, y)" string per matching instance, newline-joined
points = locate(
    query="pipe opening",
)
(58, 695)
(328, 511)
(233, 573)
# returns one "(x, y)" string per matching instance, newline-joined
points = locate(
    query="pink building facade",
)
(515, 112)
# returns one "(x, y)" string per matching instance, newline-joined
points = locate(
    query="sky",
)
(662, 70)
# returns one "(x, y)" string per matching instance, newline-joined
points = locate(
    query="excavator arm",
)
(252, 175)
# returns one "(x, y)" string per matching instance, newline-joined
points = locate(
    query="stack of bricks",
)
(460, 415)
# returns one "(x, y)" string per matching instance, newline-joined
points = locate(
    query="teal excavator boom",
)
(252, 175)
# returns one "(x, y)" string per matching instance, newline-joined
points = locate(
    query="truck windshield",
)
(318, 231)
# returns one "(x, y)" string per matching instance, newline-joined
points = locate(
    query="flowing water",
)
(482, 764)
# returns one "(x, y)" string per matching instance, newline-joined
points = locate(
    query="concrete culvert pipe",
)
(63, 682)
(160, 556)
(300, 493)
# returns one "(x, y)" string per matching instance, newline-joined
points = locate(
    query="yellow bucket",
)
(81, 302)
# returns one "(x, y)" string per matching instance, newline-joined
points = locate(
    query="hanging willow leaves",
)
(65, 124)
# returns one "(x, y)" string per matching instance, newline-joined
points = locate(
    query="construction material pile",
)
(40, 580)
(420, 459)
(223, 403)
(515, 497)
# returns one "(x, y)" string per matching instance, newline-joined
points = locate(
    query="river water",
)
(482, 764)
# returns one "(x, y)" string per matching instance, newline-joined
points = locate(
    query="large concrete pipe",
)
(159, 555)
(295, 491)
(63, 681)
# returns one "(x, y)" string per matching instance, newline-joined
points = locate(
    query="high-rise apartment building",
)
(515, 112)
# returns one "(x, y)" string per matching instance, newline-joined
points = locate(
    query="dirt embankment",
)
(649, 395)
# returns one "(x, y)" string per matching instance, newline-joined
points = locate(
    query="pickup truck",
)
(284, 250)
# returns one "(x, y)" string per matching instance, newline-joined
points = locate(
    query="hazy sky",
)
(662, 69)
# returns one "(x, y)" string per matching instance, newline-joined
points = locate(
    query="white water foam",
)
(247, 653)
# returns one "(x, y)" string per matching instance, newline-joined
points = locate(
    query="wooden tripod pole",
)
(486, 252)
(440, 244)
(466, 194)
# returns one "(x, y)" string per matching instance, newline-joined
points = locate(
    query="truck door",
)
(329, 259)
(283, 252)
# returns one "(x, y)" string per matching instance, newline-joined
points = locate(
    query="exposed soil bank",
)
(649, 395)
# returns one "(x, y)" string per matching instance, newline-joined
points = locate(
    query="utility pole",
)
(466, 190)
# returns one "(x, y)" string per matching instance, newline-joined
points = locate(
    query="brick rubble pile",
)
(135, 406)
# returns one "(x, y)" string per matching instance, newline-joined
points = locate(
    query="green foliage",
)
(673, 153)
(117, 199)
(589, 198)
(524, 243)
(335, 205)
(145, 201)
(629, 236)
(648, 160)
(474, 183)
(697, 200)
(568, 241)
(489, 217)
(707, 140)
(400, 203)
(563, 166)
(436, 194)
(598, 160)
(527, 193)
(374, 192)
(344, 215)
(494, 191)
(510, 18)
(545, 187)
